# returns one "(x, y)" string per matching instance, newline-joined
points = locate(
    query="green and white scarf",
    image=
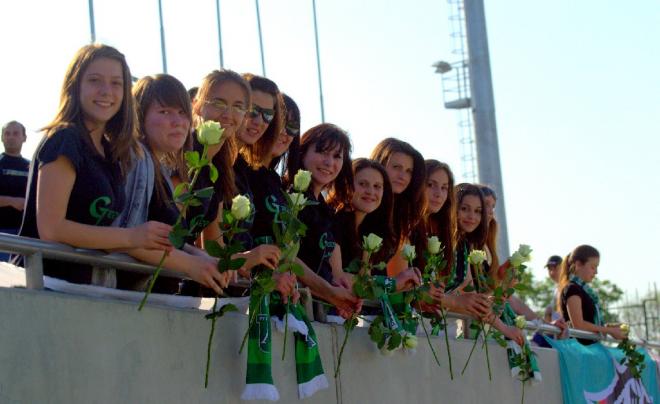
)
(309, 369)
(598, 318)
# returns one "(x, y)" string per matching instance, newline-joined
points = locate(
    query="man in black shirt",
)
(13, 179)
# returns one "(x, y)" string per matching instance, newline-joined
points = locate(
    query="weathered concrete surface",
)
(57, 348)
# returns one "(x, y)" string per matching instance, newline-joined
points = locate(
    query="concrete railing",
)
(36, 250)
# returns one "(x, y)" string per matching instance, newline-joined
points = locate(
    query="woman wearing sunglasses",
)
(269, 201)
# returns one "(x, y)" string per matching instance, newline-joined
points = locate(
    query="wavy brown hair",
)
(407, 205)
(493, 230)
(120, 130)
(324, 137)
(443, 222)
(258, 154)
(477, 238)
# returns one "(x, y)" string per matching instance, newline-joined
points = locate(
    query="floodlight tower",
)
(468, 86)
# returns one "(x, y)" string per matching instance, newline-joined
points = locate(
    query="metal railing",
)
(36, 250)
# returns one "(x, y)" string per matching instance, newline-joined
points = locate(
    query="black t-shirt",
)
(242, 173)
(268, 198)
(319, 241)
(460, 266)
(13, 182)
(588, 307)
(96, 198)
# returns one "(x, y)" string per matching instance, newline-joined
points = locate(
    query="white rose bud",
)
(240, 207)
(625, 328)
(209, 133)
(525, 251)
(409, 252)
(433, 245)
(372, 242)
(521, 322)
(476, 257)
(410, 341)
(516, 259)
(297, 198)
(301, 180)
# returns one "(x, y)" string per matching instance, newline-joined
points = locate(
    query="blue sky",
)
(575, 85)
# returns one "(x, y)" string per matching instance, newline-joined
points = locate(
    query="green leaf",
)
(179, 190)
(204, 193)
(192, 159)
(213, 248)
(213, 173)
(222, 311)
(236, 263)
(297, 269)
(177, 240)
(468, 288)
(394, 341)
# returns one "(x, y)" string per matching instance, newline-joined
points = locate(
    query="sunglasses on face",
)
(292, 128)
(222, 107)
(267, 115)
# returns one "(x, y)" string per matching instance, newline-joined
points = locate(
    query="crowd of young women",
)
(104, 174)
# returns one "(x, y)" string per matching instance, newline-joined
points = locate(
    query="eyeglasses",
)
(266, 114)
(222, 107)
(292, 128)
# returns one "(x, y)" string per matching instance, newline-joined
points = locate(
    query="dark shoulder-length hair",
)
(325, 137)
(407, 205)
(167, 91)
(477, 238)
(292, 115)
(224, 159)
(120, 130)
(443, 222)
(258, 154)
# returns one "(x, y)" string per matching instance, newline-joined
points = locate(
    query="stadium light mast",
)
(162, 36)
(467, 86)
(92, 28)
(217, 17)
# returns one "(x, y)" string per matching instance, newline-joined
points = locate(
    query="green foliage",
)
(633, 359)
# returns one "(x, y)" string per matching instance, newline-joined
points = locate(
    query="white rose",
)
(297, 198)
(516, 259)
(301, 180)
(409, 252)
(410, 341)
(209, 133)
(240, 207)
(625, 328)
(521, 322)
(525, 251)
(476, 257)
(433, 245)
(372, 242)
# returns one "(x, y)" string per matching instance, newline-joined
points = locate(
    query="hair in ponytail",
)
(581, 254)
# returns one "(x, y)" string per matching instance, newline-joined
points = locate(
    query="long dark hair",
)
(443, 222)
(258, 153)
(491, 238)
(477, 238)
(224, 159)
(378, 222)
(407, 205)
(167, 91)
(120, 130)
(324, 137)
(292, 118)
(581, 254)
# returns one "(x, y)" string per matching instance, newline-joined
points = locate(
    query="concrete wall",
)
(57, 348)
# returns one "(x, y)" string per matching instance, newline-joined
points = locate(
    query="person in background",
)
(13, 179)
(551, 315)
(580, 304)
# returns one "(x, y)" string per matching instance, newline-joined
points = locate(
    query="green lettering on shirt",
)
(99, 211)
